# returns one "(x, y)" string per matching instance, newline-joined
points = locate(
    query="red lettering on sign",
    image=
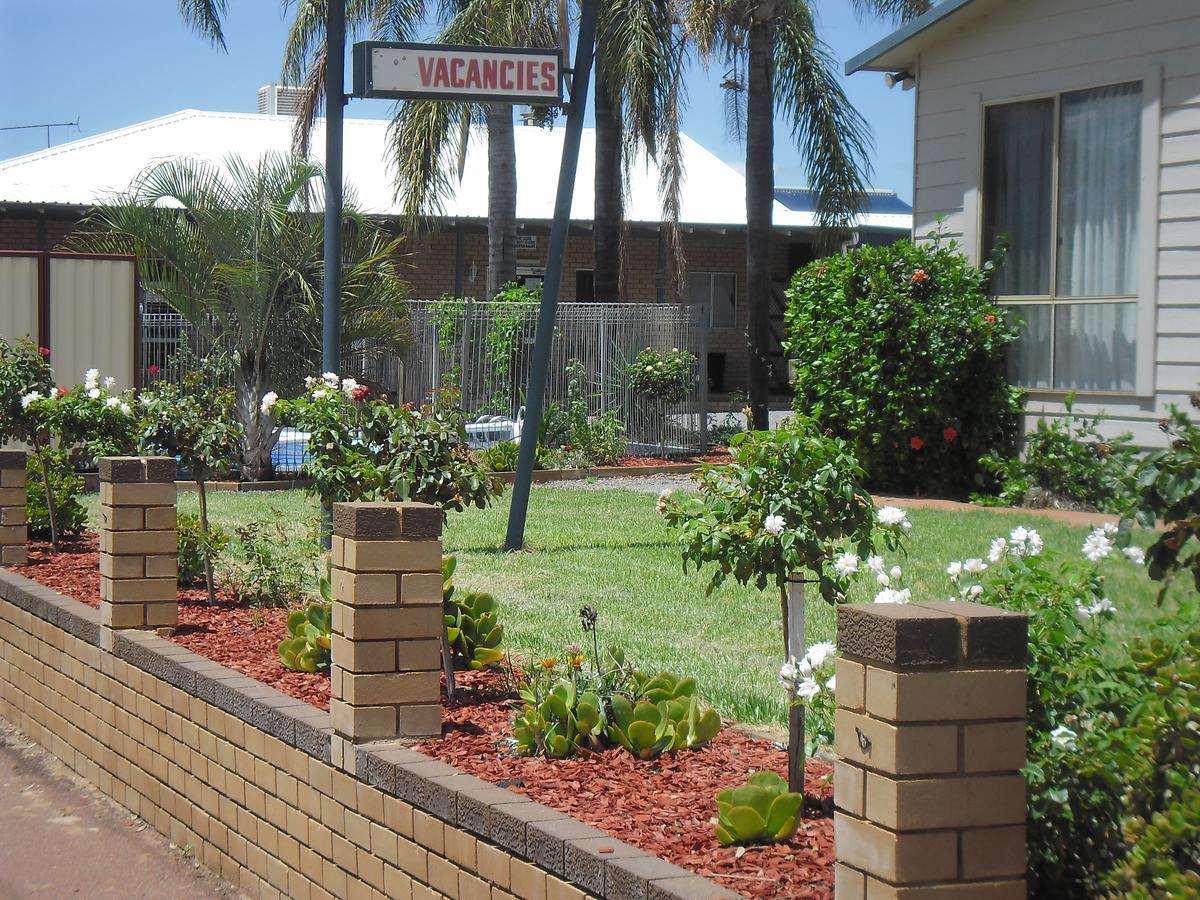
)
(441, 75)
(456, 78)
(506, 68)
(489, 74)
(425, 66)
(531, 74)
(473, 74)
(548, 76)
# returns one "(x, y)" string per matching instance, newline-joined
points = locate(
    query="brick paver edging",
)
(465, 837)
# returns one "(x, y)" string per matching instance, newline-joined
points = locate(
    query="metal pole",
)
(335, 73)
(535, 394)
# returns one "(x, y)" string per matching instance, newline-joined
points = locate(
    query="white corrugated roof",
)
(87, 171)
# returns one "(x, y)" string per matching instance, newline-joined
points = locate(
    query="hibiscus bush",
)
(900, 351)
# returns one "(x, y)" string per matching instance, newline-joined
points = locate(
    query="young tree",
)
(236, 249)
(26, 379)
(195, 421)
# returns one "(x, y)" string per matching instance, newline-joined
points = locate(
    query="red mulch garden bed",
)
(606, 790)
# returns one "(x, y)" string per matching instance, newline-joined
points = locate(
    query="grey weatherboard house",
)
(1073, 128)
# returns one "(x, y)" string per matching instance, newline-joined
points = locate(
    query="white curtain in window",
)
(1029, 356)
(1017, 191)
(1095, 346)
(1098, 196)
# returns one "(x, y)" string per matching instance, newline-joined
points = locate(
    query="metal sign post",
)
(335, 99)
(535, 393)
(397, 70)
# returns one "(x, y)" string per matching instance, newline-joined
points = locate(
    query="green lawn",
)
(611, 550)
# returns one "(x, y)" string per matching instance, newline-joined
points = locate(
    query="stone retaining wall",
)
(243, 775)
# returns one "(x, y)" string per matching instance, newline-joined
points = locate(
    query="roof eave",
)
(885, 55)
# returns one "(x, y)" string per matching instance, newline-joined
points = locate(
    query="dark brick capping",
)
(594, 862)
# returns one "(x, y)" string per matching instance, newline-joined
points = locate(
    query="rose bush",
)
(900, 351)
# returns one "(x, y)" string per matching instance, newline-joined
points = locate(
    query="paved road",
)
(60, 838)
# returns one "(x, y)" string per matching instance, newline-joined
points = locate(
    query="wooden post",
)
(794, 641)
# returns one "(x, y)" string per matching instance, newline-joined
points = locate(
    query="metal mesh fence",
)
(485, 350)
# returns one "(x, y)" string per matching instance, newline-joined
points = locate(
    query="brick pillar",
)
(14, 522)
(387, 622)
(139, 550)
(930, 738)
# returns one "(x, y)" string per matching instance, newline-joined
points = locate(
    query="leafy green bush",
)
(664, 377)
(195, 546)
(502, 457)
(66, 486)
(1108, 736)
(761, 810)
(1065, 459)
(1166, 486)
(1161, 765)
(367, 449)
(264, 568)
(899, 350)
(599, 440)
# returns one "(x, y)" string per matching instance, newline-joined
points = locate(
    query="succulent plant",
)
(761, 810)
(564, 720)
(473, 631)
(661, 686)
(647, 729)
(307, 650)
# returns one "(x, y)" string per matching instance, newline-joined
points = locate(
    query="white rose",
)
(954, 570)
(818, 653)
(268, 402)
(974, 566)
(846, 564)
(1135, 555)
(109, 382)
(29, 398)
(112, 403)
(94, 393)
(773, 524)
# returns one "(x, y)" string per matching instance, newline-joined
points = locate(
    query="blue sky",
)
(118, 62)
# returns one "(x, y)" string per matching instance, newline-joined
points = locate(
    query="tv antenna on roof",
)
(46, 125)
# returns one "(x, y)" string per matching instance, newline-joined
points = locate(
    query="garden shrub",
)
(1067, 461)
(1166, 486)
(265, 567)
(1112, 730)
(66, 486)
(502, 457)
(363, 448)
(900, 351)
(195, 546)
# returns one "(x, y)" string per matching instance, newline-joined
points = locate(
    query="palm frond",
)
(833, 137)
(890, 10)
(205, 17)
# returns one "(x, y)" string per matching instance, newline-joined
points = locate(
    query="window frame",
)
(1043, 86)
(708, 302)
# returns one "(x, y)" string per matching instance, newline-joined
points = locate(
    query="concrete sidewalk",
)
(61, 838)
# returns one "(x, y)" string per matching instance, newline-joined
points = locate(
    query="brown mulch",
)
(607, 790)
(719, 455)
(230, 633)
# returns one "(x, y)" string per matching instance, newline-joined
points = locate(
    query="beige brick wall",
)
(930, 738)
(14, 528)
(269, 818)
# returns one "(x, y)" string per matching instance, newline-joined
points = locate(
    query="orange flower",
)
(920, 276)
(549, 663)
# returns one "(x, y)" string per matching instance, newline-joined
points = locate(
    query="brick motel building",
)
(44, 195)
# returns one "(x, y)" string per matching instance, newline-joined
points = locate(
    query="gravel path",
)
(642, 484)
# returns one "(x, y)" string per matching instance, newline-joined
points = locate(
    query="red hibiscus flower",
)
(45, 351)
(949, 434)
(915, 442)
(920, 276)
(153, 370)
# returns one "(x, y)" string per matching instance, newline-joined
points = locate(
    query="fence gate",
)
(83, 307)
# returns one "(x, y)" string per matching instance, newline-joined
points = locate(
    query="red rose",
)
(153, 370)
(62, 391)
(989, 318)
(360, 392)
(45, 351)
(920, 276)
(949, 434)
(915, 442)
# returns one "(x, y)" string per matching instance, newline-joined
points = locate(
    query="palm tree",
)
(638, 71)
(236, 249)
(777, 64)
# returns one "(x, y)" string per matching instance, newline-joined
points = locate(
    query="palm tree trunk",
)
(760, 196)
(259, 438)
(609, 210)
(502, 198)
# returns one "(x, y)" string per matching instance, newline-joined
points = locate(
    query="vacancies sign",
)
(457, 73)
